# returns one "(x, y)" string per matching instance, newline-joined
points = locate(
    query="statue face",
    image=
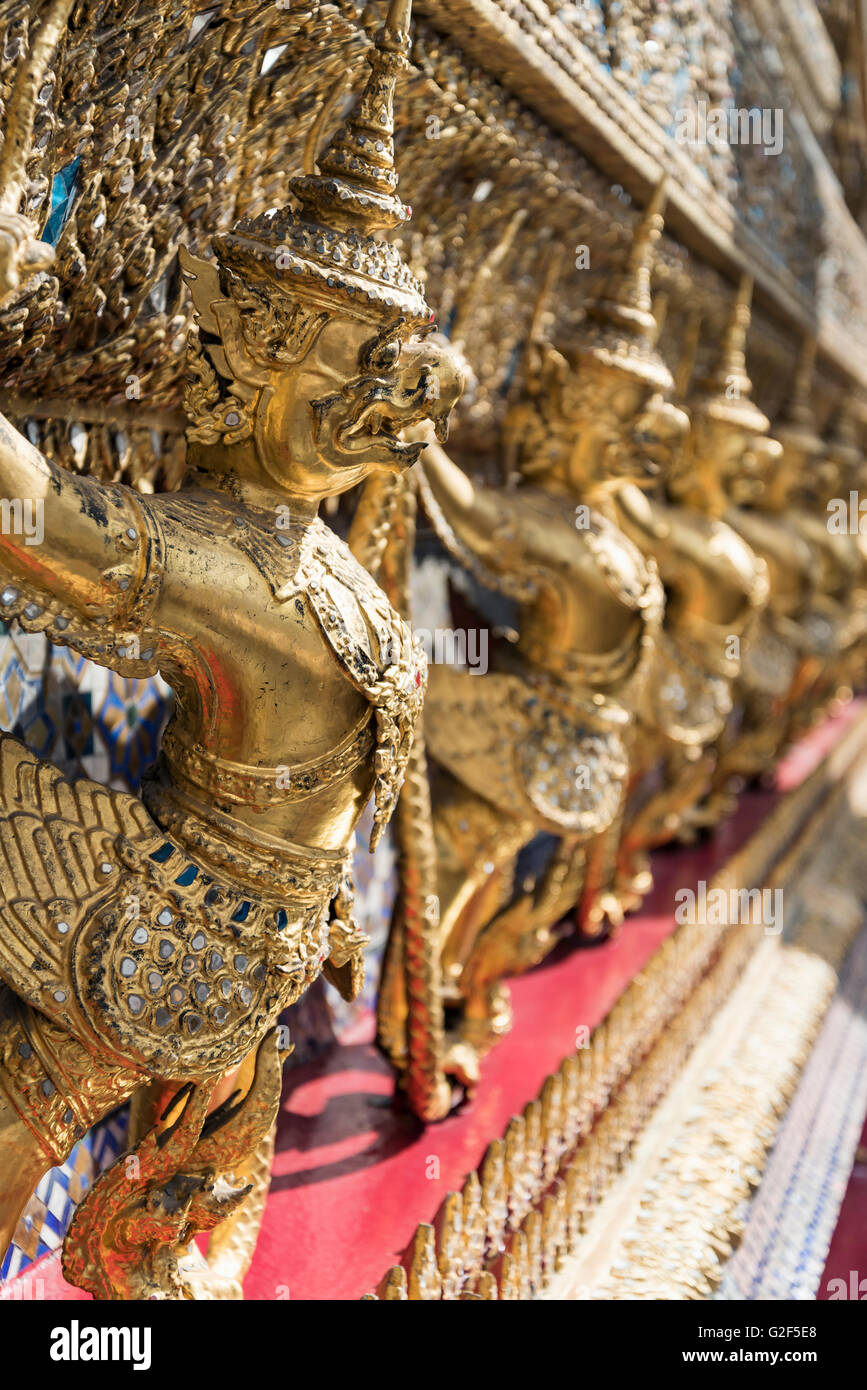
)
(660, 433)
(747, 485)
(712, 462)
(324, 425)
(602, 408)
(808, 471)
(579, 429)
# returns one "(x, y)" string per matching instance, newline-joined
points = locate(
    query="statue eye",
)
(387, 355)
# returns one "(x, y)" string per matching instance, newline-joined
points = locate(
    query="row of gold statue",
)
(684, 612)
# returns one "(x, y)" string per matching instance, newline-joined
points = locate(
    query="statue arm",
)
(645, 521)
(81, 560)
(682, 549)
(481, 526)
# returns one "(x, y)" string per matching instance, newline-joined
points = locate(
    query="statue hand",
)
(22, 254)
(420, 433)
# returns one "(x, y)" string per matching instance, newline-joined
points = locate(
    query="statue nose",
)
(437, 366)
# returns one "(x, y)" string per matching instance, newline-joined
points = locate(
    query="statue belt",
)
(263, 787)
(268, 865)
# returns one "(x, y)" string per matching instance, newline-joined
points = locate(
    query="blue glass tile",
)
(63, 189)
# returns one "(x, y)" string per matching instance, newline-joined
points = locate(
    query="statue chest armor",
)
(788, 558)
(689, 695)
(314, 580)
(545, 740)
(719, 585)
(608, 652)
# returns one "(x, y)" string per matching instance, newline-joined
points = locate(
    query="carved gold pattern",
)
(672, 642)
(161, 938)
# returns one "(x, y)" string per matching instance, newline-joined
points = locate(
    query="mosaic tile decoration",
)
(87, 720)
(46, 1217)
(791, 1219)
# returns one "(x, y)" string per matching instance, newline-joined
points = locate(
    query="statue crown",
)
(281, 276)
(726, 393)
(325, 248)
(623, 331)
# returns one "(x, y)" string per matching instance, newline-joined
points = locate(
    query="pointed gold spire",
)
(670, 423)
(844, 445)
(797, 426)
(727, 391)
(844, 436)
(542, 306)
(801, 403)
(357, 181)
(660, 315)
(730, 371)
(327, 250)
(484, 273)
(623, 330)
(688, 350)
(628, 302)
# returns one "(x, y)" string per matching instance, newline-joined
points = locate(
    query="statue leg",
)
(516, 939)
(476, 848)
(51, 1091)
(22, 1163)
(686, 779)
(233, 1241)
(473, 878)
(601, 907)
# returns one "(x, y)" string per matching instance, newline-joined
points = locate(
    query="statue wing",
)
(63, 847)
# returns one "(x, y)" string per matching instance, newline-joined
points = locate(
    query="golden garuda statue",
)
(161, 938)
(844, 473)
(716, 588)
(539, 742)
(810, 474)
(794, 642)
